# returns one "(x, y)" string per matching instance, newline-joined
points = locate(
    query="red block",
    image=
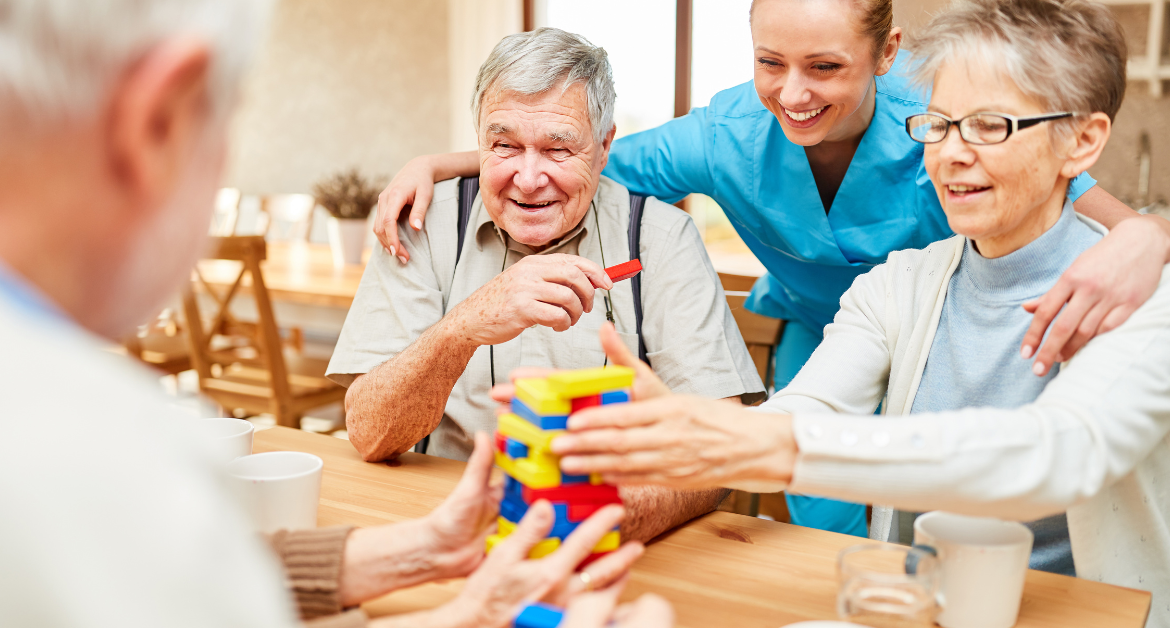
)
(581, 511)
(501, 443)
(590, 558)
(574, 494)
(580, 403)
(624, 270)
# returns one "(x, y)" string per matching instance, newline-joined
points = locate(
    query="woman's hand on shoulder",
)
(1099, 292)
(412, 187)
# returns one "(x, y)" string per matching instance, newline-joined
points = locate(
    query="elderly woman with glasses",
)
(1024, 93)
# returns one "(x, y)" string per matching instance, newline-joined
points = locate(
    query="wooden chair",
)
(762, 336)
(226, 218)
(244, 365)
(162, 344)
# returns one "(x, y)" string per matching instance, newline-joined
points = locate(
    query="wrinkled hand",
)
(413, 187)
(596, 609)
(507, 578)
(460, 525)
(1099, 292)
(647, 385)
(678, 441)
(550, 290)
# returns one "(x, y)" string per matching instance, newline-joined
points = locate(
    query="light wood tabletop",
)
(296, 272)
(719, 570)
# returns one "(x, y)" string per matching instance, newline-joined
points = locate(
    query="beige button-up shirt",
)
(691, 338)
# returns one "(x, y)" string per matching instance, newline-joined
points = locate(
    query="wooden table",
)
(296, 272)
(719, 570)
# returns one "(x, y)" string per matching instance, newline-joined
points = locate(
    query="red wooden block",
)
(574, 494)
(580, 403)
(624, 270)
(590, 558)
(581, 511)
(501, 443)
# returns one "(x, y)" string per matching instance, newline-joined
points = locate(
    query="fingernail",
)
(1026, 351)
(392, 251)
(417, 224)
(1038, 368)
(402, 258)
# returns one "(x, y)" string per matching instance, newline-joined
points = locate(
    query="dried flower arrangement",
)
(347, 194)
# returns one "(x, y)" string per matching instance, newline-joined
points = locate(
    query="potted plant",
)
(349, 198)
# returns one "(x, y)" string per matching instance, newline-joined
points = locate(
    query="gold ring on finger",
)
(586, 580)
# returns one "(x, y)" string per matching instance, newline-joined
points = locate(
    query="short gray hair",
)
(1068, 55)
(59, 58)
(534, 62)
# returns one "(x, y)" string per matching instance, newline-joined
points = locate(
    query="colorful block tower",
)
(540, 410)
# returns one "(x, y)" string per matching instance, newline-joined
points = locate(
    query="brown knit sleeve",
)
(352, 619)
(312, 562)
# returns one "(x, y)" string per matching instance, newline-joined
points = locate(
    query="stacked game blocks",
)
(540, 410)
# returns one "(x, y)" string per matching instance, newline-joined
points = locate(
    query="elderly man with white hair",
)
(507, 277)
(112, 135)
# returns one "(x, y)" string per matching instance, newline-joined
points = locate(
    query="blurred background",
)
(345, 92)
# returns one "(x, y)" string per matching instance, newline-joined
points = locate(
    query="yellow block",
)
(609, 542)
(538, 472)
(541, 398)
(585, 382)
(518, 429)
(595, 479)
(492, 541)
(505, 527)
(544, 548)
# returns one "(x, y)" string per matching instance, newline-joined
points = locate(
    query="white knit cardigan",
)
(1095, 443)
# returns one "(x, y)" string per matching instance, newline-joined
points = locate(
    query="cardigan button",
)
(814, 431)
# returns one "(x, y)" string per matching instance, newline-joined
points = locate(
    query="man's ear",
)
(606, 144)
(1085, 147)
(890, 52)
(158, 113)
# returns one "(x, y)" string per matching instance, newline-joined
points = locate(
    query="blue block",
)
(543, 422)
(614, 396)
(517, 449)
(574, 479)
(514, 510)
(537, 615)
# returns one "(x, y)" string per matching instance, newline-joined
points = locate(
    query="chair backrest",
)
(761, 334)
(227, 212)
(264, 335)
(289, 217)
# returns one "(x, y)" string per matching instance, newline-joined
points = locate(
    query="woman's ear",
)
(1086, 145)
(890, 52)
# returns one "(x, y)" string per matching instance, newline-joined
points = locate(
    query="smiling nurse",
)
(812, 165)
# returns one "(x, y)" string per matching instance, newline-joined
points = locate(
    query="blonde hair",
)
(875, 16)
(1067, 55)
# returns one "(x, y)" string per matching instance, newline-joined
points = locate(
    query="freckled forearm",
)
(402, 400)
(652, 510)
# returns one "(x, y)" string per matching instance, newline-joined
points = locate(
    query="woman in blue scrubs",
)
(812, 165)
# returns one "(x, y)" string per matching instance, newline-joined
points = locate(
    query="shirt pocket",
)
(586, 342)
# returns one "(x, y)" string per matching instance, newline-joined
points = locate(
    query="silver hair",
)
(1067, 55)
(537, 61)
(59, 58)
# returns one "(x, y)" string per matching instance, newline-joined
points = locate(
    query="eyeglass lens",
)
(976, 129)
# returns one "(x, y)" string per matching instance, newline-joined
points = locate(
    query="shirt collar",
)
(484, 226)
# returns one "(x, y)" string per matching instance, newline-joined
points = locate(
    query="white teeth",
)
(801, 117)
(964, 188)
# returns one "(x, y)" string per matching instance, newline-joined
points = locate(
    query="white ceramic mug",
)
(983, 565)
(229, 438)
(279, 489)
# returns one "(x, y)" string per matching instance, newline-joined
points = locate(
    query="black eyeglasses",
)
(977, 128)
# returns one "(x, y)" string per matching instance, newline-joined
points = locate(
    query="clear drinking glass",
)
(887, 586)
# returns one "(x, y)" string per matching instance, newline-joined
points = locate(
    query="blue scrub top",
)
(735, 152)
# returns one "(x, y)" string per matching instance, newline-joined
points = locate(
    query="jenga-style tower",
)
(540, 410)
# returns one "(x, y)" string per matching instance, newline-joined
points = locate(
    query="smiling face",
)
(539, 163)
(814, 68)
(1004, 195)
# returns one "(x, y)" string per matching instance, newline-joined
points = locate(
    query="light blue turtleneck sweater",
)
(975, 358)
